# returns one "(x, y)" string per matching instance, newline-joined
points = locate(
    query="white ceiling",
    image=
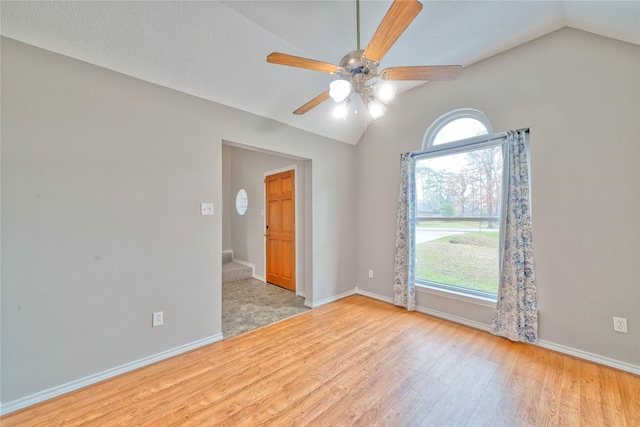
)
(217, 50)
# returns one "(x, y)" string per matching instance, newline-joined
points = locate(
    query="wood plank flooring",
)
(359, 362)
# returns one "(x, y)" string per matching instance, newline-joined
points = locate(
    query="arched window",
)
(457, 125)
(458, 179)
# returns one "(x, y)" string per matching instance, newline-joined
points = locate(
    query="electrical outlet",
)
(620, 324)
(157, 319)
(370, 274)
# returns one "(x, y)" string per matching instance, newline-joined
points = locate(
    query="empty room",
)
(448, 191)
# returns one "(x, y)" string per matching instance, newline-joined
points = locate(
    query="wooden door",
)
(280, 229)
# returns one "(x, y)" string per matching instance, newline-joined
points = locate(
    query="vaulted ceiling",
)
(217, 50)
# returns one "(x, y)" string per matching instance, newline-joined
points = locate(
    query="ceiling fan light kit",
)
(339, 90)
(341, 110)
(384, 91)
(376, 109)
(358, 70)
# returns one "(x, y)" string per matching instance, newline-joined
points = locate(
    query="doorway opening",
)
(248, 301)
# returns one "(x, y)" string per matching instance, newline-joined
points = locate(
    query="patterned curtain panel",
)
(516, 315)
(404, 293)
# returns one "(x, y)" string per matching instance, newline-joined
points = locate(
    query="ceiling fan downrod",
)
(358, 25)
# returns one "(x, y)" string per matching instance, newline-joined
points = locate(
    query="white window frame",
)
(454, 147)
(462, 113)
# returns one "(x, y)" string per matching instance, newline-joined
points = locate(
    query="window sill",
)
(460, 296)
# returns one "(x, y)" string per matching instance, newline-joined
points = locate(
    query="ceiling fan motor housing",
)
(352, 60)
(358, 70)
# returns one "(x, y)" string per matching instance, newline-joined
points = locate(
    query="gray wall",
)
(580, 95)
(102, 180)
(247, 170)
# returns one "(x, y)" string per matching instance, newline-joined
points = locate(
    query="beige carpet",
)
(249, 304)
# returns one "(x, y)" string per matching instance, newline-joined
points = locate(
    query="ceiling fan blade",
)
(428, 72)
(313, 103)
(296, 61)
(397, 19)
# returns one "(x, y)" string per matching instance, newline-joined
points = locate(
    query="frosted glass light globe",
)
(339, 90)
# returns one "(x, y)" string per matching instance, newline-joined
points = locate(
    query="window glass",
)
(458, 211)
(242, 201)
(456, 125)
(458, 129)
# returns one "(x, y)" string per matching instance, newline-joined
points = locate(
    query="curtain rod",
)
(469, 141)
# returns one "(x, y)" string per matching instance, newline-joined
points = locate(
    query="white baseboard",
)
(602, 360)
(314, 304)
(452, 318)
(372, 295)
(425, 310)
(101, 376)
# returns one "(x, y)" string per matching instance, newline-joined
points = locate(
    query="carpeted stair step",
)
(232, 271)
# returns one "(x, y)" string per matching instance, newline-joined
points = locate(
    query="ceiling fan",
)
(358, 68)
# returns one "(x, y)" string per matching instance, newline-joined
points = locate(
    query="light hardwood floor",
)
(356, 361)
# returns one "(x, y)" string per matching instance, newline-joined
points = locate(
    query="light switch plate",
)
(206, 209)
